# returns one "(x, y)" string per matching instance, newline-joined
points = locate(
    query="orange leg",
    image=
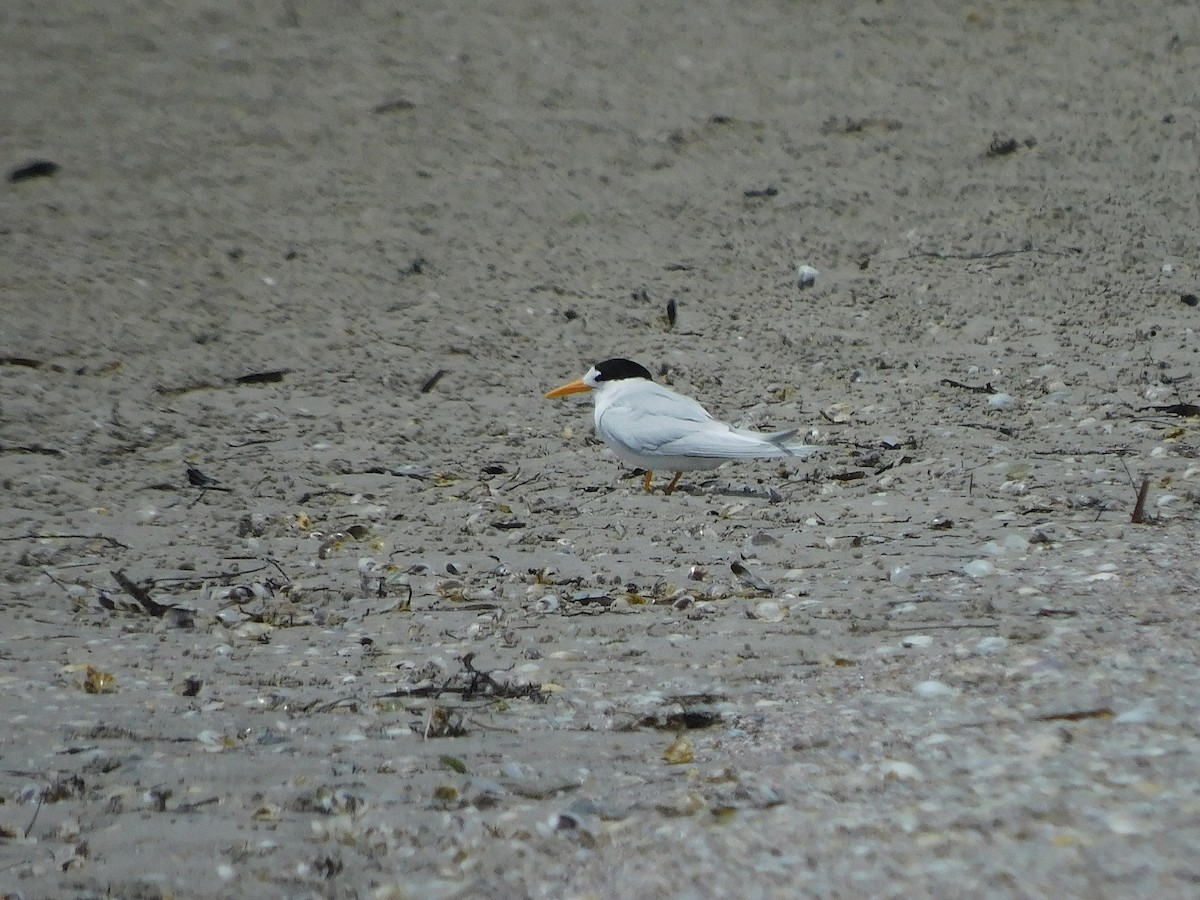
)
(646, 483)
(674, 481)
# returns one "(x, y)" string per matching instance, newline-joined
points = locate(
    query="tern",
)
(653, 427)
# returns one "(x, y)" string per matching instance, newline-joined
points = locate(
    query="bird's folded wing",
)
(643, 434)
(658, 417)
(719, 441)
(664, 423)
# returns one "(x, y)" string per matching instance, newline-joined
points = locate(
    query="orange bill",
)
(575, 387)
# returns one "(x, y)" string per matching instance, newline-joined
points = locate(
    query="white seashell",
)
(898, 768)
(978, 568)
(933, 689)
(994, 644)
(230, 616)
(770, 611)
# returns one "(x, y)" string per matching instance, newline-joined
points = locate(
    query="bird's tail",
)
(782, 440)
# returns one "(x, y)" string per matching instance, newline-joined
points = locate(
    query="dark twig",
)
(986, 389)
(41, 799)
(43, 451)
(432, 380)
(112, 542)
(995, 254)
(1186, 410)
(1003, 429)
(195, 805)
(139, 593)
(1139, 508)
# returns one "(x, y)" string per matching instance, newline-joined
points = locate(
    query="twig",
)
(113, 542)
(237, 445)
(974, 389)
(288, 579)
(48, 574)
(41, 800)
(192, 807)
(217, 576)
(312, 495)
(432, 380)
(1003, 429)
(994, 254)
(139, 593)
(1139, 508)
(512, 487)
(31, 448)
(1186, 410)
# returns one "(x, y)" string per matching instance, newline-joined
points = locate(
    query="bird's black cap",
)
(617, 369)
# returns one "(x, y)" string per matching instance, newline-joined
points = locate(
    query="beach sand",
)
(407, 629)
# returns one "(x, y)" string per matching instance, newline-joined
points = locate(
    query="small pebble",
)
(1142, 714)
(978, 568)
(994, 644)
(1015, 541)
(933, 689)
(806, 276)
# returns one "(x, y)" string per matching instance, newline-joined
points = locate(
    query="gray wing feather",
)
(721, 441)
(675, 425)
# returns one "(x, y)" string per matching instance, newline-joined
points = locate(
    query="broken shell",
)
(332, 544)
(749, 578)
(547, 604)
(687, 804)
(97, 682)
(230, 616)
(770, 611)
(837, 413)
(680, 752)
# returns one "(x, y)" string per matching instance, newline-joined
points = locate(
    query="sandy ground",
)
(425, 637)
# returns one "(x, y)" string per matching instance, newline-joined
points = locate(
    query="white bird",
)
(652, 427)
